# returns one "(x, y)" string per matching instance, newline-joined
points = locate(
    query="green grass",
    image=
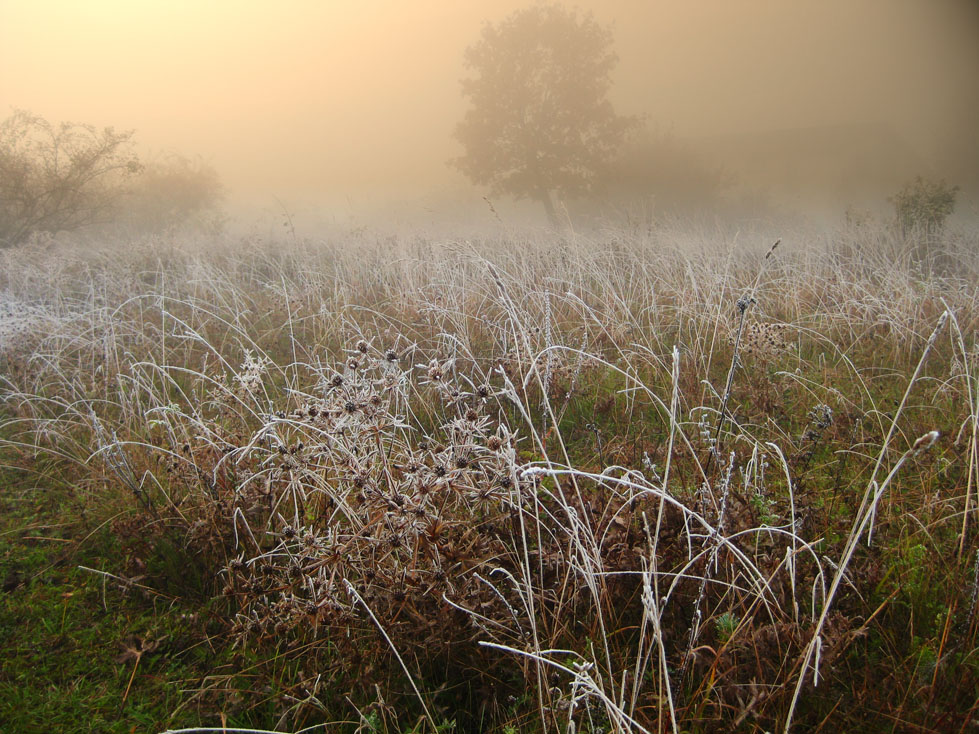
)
(65, 631)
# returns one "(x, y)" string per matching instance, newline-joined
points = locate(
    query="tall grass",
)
(665, 482)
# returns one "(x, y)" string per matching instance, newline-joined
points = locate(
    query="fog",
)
(351, 106)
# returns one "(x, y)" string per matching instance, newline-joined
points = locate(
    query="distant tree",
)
(174, 192)
(63, 177)
(540, 122)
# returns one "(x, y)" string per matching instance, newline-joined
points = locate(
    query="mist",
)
(450, 366)
(345, 109)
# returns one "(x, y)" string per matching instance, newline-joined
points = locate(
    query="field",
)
(667, 481)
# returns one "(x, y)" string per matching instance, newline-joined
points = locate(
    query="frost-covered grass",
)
(670, 482)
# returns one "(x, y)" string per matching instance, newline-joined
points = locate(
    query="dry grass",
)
(621, 483)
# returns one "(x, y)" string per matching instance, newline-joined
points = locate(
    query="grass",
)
(65, 631)
(631, 483)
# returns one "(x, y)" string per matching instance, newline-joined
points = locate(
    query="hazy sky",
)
(360, 97)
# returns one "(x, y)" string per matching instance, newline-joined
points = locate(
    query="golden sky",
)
(359, 97)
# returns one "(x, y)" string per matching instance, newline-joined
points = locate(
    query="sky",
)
(359, 98)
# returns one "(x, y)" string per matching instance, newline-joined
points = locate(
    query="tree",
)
(540, 121)
(55, 178)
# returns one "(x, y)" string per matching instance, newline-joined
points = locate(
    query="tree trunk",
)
(544, 196)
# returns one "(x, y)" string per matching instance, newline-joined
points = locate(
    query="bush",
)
(174, 192)
(922, 206)
(59, 178)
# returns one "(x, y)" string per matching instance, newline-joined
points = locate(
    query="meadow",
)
(672, 480)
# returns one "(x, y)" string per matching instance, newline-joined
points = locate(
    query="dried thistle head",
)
(763, 340)
(436, 372)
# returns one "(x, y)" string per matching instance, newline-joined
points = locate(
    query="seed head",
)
(925, 442)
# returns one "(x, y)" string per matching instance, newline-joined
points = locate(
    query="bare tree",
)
(63, 177)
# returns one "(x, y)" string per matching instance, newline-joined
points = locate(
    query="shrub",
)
(175, 192)
(59, 178)
(922, 206)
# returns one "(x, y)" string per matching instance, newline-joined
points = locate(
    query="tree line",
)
(540, 126)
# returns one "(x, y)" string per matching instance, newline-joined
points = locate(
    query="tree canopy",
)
(540, 121)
